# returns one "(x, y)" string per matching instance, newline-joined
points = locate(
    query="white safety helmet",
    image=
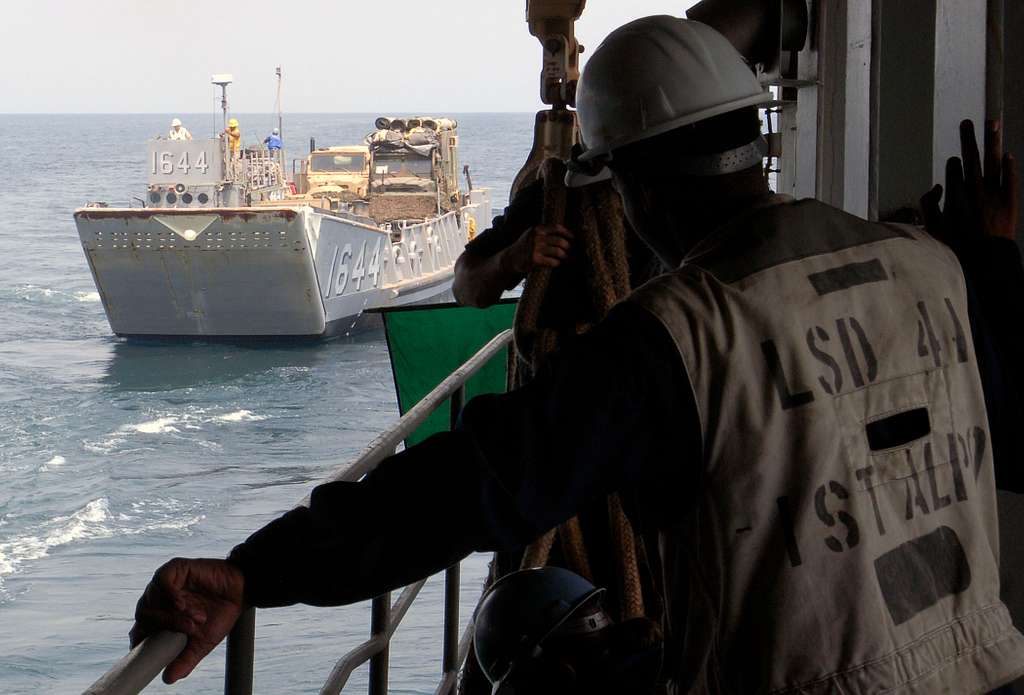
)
(275, 131)
(659, 73)
(176, 123)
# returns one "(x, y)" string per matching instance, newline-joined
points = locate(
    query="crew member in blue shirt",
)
(273, 141)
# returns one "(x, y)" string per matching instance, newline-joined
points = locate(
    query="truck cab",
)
(338, 173)
(403, 171)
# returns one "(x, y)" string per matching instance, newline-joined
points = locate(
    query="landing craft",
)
(226, 247)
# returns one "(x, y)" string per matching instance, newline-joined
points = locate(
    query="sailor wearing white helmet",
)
(796, 411)
(178, 131)
(822, 417)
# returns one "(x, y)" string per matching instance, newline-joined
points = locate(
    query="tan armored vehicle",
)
(336, 173)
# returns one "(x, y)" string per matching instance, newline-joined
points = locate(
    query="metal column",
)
(380, 616)
(238, 667)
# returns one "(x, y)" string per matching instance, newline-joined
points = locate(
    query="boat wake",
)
(55, 462)
(35, 293)
(162, 425)
(240, 416)
(94, 521)
(170, 424)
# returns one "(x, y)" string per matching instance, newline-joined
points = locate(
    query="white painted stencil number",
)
(166, 163)
(342, 280)
(351, 266)
(359, 272)
(163, 163)
(373, 272)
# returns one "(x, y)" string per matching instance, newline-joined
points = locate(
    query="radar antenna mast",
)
(223, 80)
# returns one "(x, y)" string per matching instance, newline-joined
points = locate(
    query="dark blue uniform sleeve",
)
(522, 213)
(599, 418)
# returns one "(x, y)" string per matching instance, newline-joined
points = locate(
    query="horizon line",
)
(249, 113)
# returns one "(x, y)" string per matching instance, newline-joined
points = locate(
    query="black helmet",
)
(523, 609)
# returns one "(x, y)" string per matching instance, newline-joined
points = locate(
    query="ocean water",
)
(117, 456)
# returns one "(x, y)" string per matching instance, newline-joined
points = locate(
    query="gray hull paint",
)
(275, 272)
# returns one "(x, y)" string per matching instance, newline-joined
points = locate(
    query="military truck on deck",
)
(414, 168)
(406, 172)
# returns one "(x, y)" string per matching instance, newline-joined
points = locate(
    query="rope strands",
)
(631, 598)
(539, 330)
(538, 552)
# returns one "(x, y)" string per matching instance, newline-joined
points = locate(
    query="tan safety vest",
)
(846, 538)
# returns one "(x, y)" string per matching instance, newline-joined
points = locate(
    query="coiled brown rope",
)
(543, 322)
(555, 306)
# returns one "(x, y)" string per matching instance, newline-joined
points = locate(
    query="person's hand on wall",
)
(978, 201)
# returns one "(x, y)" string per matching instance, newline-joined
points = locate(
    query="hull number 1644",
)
(164, 163)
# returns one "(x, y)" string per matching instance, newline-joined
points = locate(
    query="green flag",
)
(428, 342)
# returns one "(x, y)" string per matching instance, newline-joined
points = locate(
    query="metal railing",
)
(142, 664)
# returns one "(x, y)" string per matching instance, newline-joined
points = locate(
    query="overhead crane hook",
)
(553, 23)
(555, 131)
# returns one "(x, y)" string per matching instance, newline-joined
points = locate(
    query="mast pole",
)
(224, 105)
(222, 80)
(280, 120)
(280, 126)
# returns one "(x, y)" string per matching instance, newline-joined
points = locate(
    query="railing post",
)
(238, 666)
(450, 661)
(380, 616)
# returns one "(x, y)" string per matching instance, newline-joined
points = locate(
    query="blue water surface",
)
(117, 456)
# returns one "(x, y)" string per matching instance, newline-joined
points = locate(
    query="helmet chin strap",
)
(581, 173)
(728, 162)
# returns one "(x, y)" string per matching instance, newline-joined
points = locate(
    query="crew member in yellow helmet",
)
(234, 136)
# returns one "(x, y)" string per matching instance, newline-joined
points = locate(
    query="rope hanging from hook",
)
(556, 305)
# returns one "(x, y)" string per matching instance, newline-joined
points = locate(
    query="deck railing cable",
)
(133, 672)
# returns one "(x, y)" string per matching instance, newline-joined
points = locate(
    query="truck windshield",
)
(350, 163)
(404, 166)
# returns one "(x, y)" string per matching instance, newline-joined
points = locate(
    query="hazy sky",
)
(138, 56)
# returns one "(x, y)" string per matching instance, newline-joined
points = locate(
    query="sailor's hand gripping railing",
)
(141, 665)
